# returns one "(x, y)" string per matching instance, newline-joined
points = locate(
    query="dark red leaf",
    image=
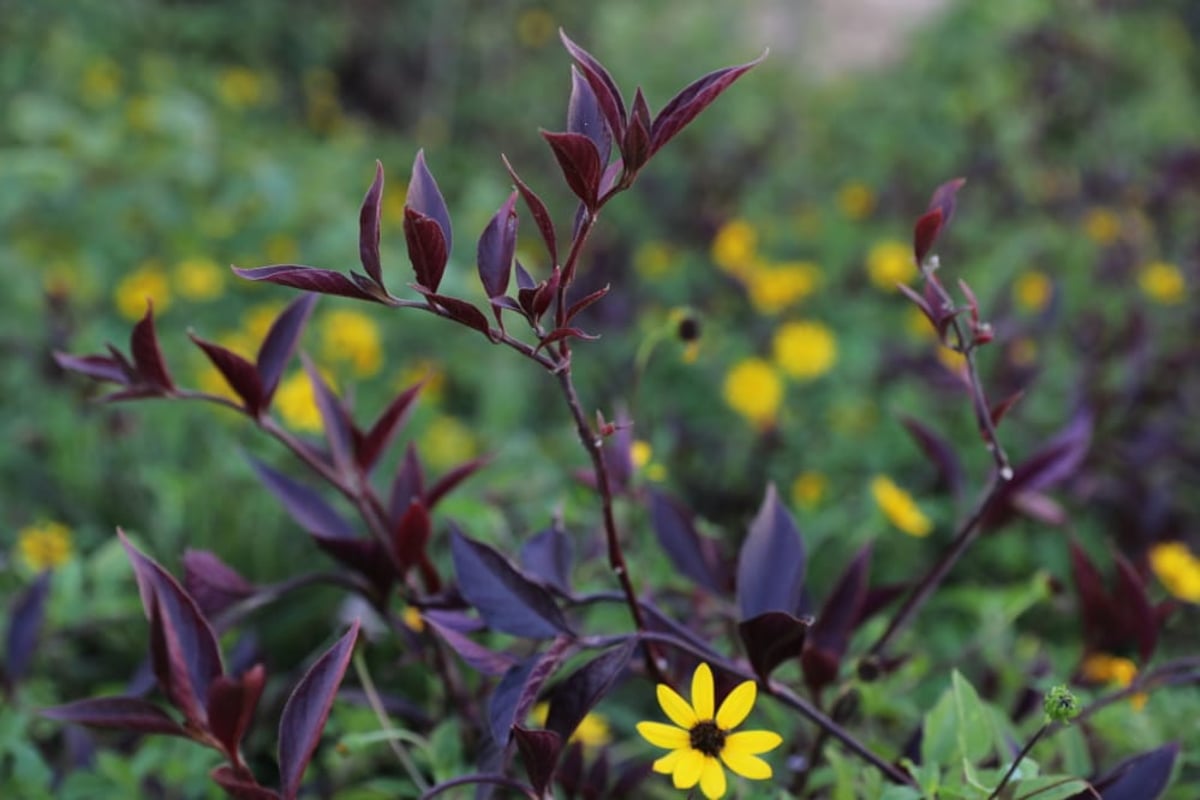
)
(683, 544)
(547, 557)
(303, 503)
(579, 692)
(368, 228)
(240, 374)
(365, 556)
(635, 147)
(692, 99)
(830, 633)
(101, 368)
(24, 627)
(310, 279)
(488, 662)
(1137, 616)
(453, 478)
(920, 303)
(1095, 606)
(545, 293)
(460, 311)
(580, 164)
(608, 96)
(1141, 777)
(584, 115)
(411, 535)
(1002, 408)
(1057, 460)
(939, 452)
(307, 709)
(944, 199)
(565, 333)
(770, 575)
(584, 302)
(539, 752)
(497, 244)
(925, 232)
(339, 430)
(277, 348)
(772, 638)
(147, 357)
(390, 421)
(231, 706)
(122, 713)
(425, 198)
(515, 693)
(408, 485)
(507, 600)
(240, 786)
(426, 248)
(213, 584)
(541, 217)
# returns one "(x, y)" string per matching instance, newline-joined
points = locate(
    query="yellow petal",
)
(751, 743)
(737, 705)
(688, 768)
(666, 764)
(747, 766)
(676, 707)
(702, 692)
(712, 779)
(662, 735)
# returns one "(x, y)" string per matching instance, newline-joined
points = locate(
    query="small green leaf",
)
(940, 733)
(1047, 787)
(974, 731)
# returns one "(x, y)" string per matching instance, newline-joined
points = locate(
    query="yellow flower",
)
(199, 279)
(899, 507)
(1102, 225)
(592, 731)
(856, 200)
(296, 403)
(890, 263)
(146, 282)
(1162, 283)
(754, 390)
(241, 87)
(535, 26)
(653, 260)
(281, 249)
(142, 113)
(447, 443)
(1112, 670)
(393, 202)
(701, 741)
(428, 371)
(412, 619)
(808, 489)
(735, 246)
(772, 289)
(952, 360)
(45, 545)
(1178, 570)
(805, 350)
(257, 320)
(351, 337)
(101, 82)
(640, 453)
(918, 325)
(1033, 290)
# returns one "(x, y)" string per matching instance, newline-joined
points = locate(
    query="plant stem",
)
(1017, 762)
(467, 780)
(385, 722)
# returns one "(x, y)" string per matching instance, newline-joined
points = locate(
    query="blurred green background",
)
(145, 146)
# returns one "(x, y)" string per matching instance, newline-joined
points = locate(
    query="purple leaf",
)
(936, 218)
(240, 374)
(460, 311)
(580, 164)
(24, 626)
(547, 556)
(488, 662)
(541, 217)
(390, 421)
(1059, 459)
(1135, 614)
(239, 785)
(277, 348)
(939, 452)
(411, 535)
(122, 713)
(507, 600)
(453, 478)
(409, 483)
(100, 368)
(579, 692)
(608, 96)
(564, 333)
(425, 198)
(772, 638)
(830, 633)
(635, 147)
(539, 753)
(147, 357)
(339, 431)
(427, 249)
(1002, 408)
(678, 536)
(1142, 777)
(304, 505)
(770, 574)
(944, 198)
(1095, 607)
(307, 709)
(231, 706)
(584, 115)
(368, 228)
(309, 279)
(213, 584)
(691, 100)
(584, 302)
(365, 556)
(497, 243)
(514, 694)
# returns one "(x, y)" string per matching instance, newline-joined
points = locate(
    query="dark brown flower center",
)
(707, 738)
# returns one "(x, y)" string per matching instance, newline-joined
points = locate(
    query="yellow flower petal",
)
(676, 707)
(736, 706)
(747, 766)
(666, 764)
(688, 768)
(750, 743)
(662, 735)
(712, 779)
(702, 692)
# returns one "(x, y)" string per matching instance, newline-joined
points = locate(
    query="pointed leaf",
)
(239, 786)
(303, 503)
(608, 96)
(411, 535)
(427, 249)
(506, 599)
(579, 162)
(539, 752)
(425, 198)
(408, 485)
(488, 662)
(692, 99)
(585, 302)
(497, 244)
(584, 115)
(365, 556)
(1002, 408)
(277, 348)
(944, 198)
(770, 574)
(1137, 616)
(514, 695)
(453, 478)
(213, 584)
(772, 638)
(231, 706)
(122, 713)
(24, 627)
(925, 233)
(307, 709)
(681, 541)
(564, 333)
(541, 217)
(390, 421)
(1142, 777)
(1059, 459)
(579, 692)
(635, 147)
(240, 374)
(1095, 606)
(334, 418)
(368, 227)
(830, 633)
(460, 311)
(547, 556)
(147, 357)
(100, 368)
(309, 279)
(939, 452)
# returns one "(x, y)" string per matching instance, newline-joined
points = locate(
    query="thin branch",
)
(1012, 770)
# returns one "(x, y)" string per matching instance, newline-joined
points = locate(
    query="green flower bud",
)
(1060, 705)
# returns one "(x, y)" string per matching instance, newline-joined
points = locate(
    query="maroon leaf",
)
(24, 626)
(307, 709)
(925, 232)
(1095, 607)
(539, 753)
(580, 164)
(516, 691)
(584, 115)
(426, 248)
(1141, 777)
(608, 96)
(579, 692)
(584, 302)
(939, 452)
(368, 228)
(688, 551)
(190, 659)
(1136, 615)
(507, 600)
(544, 293)
(541, 217)
(101, 368)
(1059, 459)
(240, 785)
(564, 333)
(1002, 408)
(944, 198)
(547, 556)
(488, 662)
(390, 421)
(213, 584)
(453, 478)
(411, 535)
(334, 418)
(497, 243)
(635, 147)
(408, 485)
(692, 99)
(303, 503)
(147, 357)
(365, 556)
(920, 303)
(425, 198)
(460, 311)
(310, 279)
(830, 633)
(231, 706)
(772, 638)
(277, 348)
(770, 575)
(240, 374)
(123, 713)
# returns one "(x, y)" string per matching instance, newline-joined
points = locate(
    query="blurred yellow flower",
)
(322, 109)
(774, 288)
(653, 260)
(593, 730)
(952, 360)
(754, 390)
(447, 443)
(199, 279)
(1102, 225)
(856, 200)
(44, 545)
(412, 619)
(101, 82)
(1178, 570)
(392, 207)
(535, 26)
(1162, 283)
(281, 249)
(640, 453)
(918, 325)
(258, 319)
(1033, 290)
(808, 489)
(146, 282)
(1112, 670)
(351, 337)
(899, 507)
(296, 403)
(241, 87)
(141, 112)
(424, 370)
(889, 263)
(805, 350)
(735, 247)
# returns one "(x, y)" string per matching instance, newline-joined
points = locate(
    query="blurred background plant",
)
(147, 145)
